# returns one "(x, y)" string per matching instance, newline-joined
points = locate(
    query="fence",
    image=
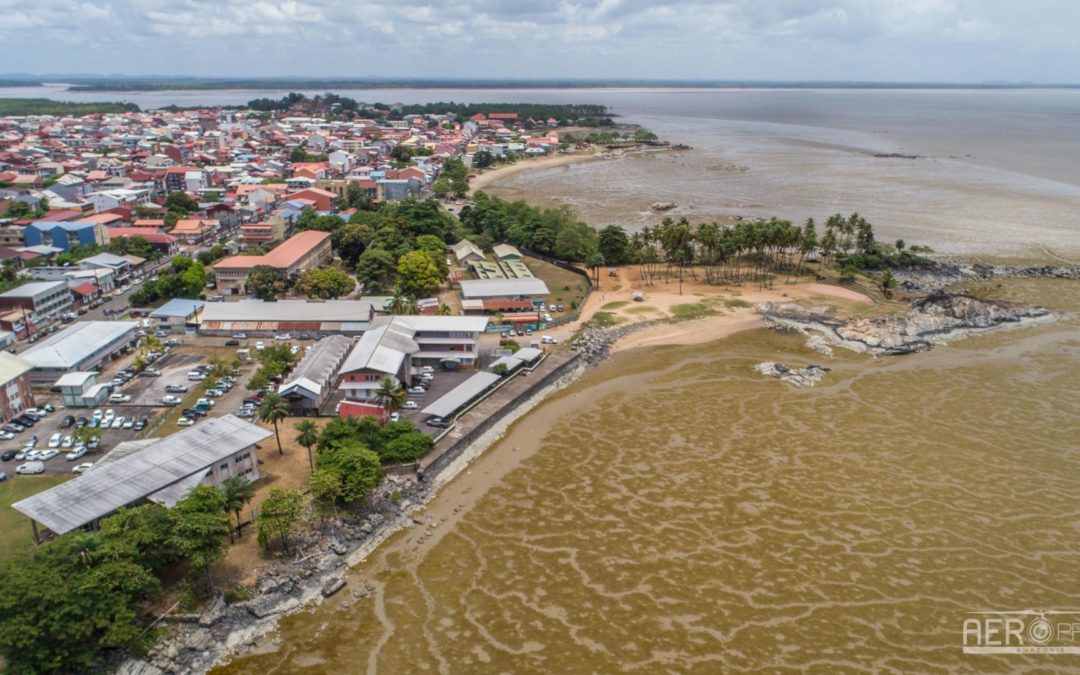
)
(575, 313)
(453, 452)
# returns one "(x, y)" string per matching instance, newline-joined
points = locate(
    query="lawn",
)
(566, 287)
(692, 310)
(15, 532)
(618, 304)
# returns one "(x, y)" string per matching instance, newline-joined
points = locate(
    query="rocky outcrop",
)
(939, 274)
(799, 377)
(595, 342)
(935, 319)
(662, 206)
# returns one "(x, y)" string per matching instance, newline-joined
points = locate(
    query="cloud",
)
(725, 39)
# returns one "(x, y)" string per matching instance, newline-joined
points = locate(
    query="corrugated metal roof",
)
(178, 307)
(461, 394)
(288, 310)
(170, 460)
(12, 366)
(383, 348)
(75, 343)
(498, 288)
(319, 366)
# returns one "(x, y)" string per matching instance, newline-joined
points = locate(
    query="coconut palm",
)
(308, 437)
(390, 394)
(273, 409)
(237, 491)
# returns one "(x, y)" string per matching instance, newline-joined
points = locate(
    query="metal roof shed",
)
(461, 395)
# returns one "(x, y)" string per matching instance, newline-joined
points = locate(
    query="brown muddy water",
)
(675, 512)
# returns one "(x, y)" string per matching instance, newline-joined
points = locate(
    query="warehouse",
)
(312, 380)
(503, 289)
(83, 346)
(258, 318)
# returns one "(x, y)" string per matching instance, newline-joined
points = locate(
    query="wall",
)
(454, 451)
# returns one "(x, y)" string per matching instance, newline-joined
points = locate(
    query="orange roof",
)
(191, 226)
(285, 255)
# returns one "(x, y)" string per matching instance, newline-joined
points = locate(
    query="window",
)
(224, 467)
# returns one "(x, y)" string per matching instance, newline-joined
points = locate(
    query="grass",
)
(565, 286)
(605, 319)
(735, 303)
(616, 305)
(643, 309)
(16, 535)
(692, 310)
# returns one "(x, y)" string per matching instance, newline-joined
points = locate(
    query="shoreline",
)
(489, 177)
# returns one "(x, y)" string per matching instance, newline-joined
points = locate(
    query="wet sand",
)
(492, 176)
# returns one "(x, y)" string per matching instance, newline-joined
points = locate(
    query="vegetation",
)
(278, 515)
(390, 394)
(307, 436)
(273, 409)
(237, 492)
(184, 278)
(356, 467)
(265, 282)
(394, 443)
(274, 361)
(44, 106)
(326, 284)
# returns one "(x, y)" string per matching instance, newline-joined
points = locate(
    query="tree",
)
(357, 466)
(418, 275)
(200, 525)
(483, 159)
(83, 435)
(442, 187)
(308, 436)
(888, 283)
(65, 602)
(181, 201)
(278, 515)
(264, 281)
(141, 533)
(325, 284)
(408, 447)
(273, 409)
(237, 492)
(390, 394)
(614, 245)
(350, 241)
(374, 268)
(325, 486)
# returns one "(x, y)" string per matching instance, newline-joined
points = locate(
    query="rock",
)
(332, 586)
(662, 206)
(339, 548)
(799, 377)
(215, 613)
(366, 528)
(171, 652)
(270, 605)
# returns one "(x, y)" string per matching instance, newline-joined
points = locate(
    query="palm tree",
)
(151, 342)
(444, 310)
(237, 491)
(390, 394)
(308, 437)
(273, 409)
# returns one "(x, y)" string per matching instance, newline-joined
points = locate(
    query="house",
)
(506, 252)
(303, 251)
(397, 346)
(80, 389)
(503, 289)
(274, 228)
(323, 199)
(16, 394)
(66, 235)
(258, 318)
(166, 244)
(157, 470)
(466, 251)
(311, 382)
(43, 301)
(120, 266)
(84, 345)
(177, 315)
(194, 231)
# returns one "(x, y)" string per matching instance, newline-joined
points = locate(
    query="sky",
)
(862, 40)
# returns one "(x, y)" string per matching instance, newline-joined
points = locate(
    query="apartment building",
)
(300, 252)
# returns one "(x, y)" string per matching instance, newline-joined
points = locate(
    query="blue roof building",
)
(65, 236)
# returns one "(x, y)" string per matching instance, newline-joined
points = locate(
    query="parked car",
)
(214, 393)
(283, 336)
(193, 412)
(417, 391)
(161, 333)
(410, 405)
(395, 417)
(81, 422)
(437, 422)
(82, 468)
(232, 343)
(3, 476)
(68, 441)
(196, 375)
(185, 422)
(31, 468)
(25, 420)
(171, 400)
(56, 439)
(176, 388)
(120, 398)
(13, 428)
(94, 422)
(77, 453)
(46, 455)
(8, 456)
(129, 423)
(98, 414)
(141, 424)
(151, 372)
(118, 422)
(6, 435)
(21, 453)
(240, 336)
(259, 346)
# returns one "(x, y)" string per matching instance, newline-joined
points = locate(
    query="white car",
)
(31, 455)
(117, 423)
(196, 376)
(120, 398)
(171, 400)
(129, 423)
(294, 349)
(55, 440)
(30, 468)
(98, 414)
(417, 391)
(410, 405)
(46, 455)
(395, 417)
(6, 435)
(68, 442)
(259, 346)
(82, 468)
(283, 336)
(77, 453)
(185, 422)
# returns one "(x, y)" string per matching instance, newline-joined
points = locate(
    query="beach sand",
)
(491, 176)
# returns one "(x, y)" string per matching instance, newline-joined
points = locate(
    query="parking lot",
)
(442, 384)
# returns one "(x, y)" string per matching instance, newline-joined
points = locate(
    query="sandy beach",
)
(492, 176)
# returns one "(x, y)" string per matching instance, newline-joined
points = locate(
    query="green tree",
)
(326, 490)
(358, 467)
(181, 201)
(273, 409)
(307, 436)
(442, 187)
(140, 533)
(264, 282)
(374, 269)
(325, 284)
(483, 159)
(390, 394)
(350, 241)
(614, 245)
(237, 491)
(407, 447)
(418, 275)
(200, 524)
(278, 515)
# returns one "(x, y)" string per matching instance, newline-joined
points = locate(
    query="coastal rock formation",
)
(937, 275)
(662, 206)
(935, 319)
(799, 377)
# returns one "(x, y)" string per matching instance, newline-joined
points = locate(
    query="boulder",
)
(333, 586)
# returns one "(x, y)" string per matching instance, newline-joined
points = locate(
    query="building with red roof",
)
(299, 252)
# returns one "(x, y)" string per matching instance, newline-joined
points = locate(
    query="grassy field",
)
(618, 304)
(15, 533)
(565, 286)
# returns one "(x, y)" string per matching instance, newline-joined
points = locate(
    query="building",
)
(67, 235)
(266, 231)
(81, 390)
(194, 231)
(84, 345)
(397, 346)
(258, 318)
(323, 199)
(177, 315)
(311, 382)
(16, 394)
(159, 470)
(158, 240)
(465, 251)
(463, 395)
(506, 252)
(503, 289)
(300, 252)
(42, 301)
(120, 266)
